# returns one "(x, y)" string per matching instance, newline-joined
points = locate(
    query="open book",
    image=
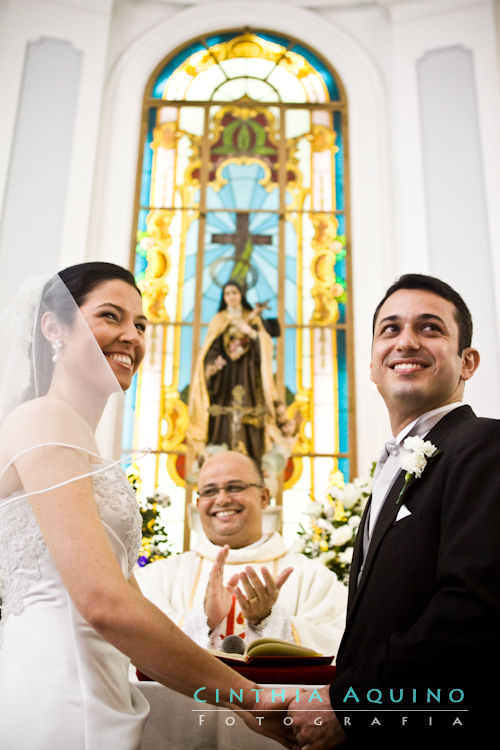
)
(274, 650)
(272, 660)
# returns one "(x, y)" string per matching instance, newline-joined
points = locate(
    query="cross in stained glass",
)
(243, 243)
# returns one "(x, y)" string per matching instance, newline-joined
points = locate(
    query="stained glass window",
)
(243, 175)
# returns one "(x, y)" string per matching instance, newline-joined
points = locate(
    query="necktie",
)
(387, 470)
(386, 452)
(385, 474)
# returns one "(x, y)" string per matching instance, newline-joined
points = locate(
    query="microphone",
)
(233, 644)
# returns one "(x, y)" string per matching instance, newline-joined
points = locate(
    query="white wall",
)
(376, 48)
(83, 25)
(439, 218)
(38, 172)
(459, 245)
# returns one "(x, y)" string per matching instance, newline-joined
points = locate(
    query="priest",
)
(240, 581)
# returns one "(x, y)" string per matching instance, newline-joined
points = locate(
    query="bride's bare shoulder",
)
(42, 420)
(38, 408)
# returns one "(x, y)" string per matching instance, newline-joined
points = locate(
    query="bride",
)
(70, 529)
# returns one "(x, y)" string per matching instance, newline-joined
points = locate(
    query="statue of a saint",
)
(233, 391)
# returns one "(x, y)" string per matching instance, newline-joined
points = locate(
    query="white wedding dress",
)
(62, 686)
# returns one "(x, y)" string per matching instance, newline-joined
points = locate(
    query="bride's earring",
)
(56, 346)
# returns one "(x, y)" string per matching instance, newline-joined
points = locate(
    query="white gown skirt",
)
(62, 687)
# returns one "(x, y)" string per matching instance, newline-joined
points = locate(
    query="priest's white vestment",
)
(310, 609)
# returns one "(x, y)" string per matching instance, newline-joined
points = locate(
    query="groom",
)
(420, 649)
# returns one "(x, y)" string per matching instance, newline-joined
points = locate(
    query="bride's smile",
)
(113, 312)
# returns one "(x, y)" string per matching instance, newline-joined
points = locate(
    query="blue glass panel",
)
(211, 301)
(128, 416)
(189, 296)
(339, 161)
(190, 267)
(343, 392)
(344, 466)
(340, 267)
(219, 38)
(141, 221)
(291, 360)
(253, 263)
(290, 293)
(147, 160)
(321, 69)
(265, 289)
(340, 274)
(185, 357)
(189, 284)
(291, 273)
(291, 269)
(242, 192)
(141, 263)
(165, 73)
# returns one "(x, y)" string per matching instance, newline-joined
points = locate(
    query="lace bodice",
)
(114, 495)
(22, 546)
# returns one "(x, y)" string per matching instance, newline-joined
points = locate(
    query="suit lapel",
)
(390, 508)
(357, 557)
(387, 514)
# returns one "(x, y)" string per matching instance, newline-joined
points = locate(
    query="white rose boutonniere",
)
(414, 459)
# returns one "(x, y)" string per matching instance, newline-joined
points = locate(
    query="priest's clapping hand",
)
(260, 595)
(257, 600)
(219, 598)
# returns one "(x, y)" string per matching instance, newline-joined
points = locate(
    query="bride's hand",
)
(267, 715)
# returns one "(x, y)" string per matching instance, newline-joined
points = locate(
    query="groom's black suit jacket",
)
(425, 612)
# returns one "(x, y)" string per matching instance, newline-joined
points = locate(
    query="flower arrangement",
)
(334, 522)
(155, 544)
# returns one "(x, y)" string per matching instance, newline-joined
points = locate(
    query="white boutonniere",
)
(414, 459)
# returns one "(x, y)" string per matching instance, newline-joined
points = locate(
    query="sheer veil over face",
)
(55, 385)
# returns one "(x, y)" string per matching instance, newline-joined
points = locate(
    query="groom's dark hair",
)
(442, 289)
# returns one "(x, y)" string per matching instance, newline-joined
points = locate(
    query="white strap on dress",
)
(103, 466)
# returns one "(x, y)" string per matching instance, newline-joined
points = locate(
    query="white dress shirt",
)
(388, 466)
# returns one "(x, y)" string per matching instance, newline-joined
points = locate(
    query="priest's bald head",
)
(231, 498)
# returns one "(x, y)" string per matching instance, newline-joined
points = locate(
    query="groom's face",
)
(415, 362)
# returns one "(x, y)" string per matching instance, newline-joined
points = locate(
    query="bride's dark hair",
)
(85, 277)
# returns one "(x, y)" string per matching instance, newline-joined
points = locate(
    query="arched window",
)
(243, 174)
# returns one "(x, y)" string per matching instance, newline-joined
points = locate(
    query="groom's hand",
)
(269, 713)
(309, 732)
